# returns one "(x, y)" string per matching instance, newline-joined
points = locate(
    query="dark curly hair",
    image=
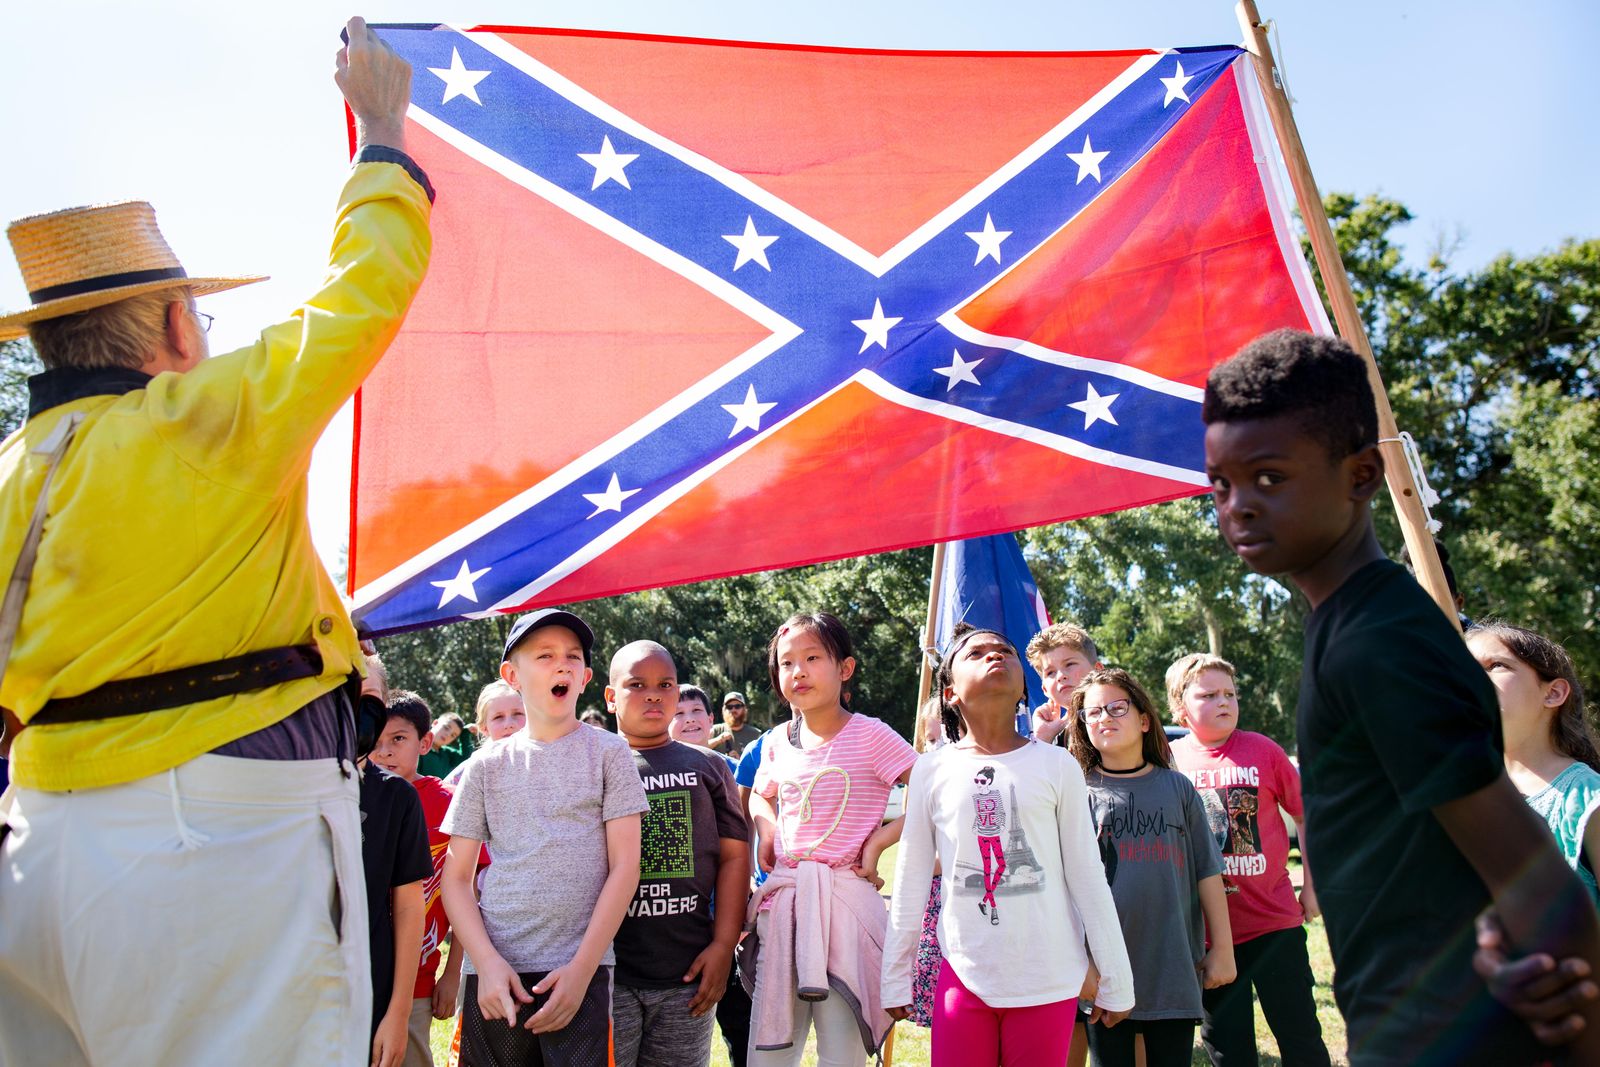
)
(1320, 381)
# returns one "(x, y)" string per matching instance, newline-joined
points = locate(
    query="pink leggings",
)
(994, 866)
(969, 1033)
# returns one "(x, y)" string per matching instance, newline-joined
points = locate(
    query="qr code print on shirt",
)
(667, 848)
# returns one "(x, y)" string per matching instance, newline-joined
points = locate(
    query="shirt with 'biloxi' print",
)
(1156, 847)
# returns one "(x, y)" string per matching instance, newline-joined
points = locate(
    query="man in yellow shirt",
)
(181, 882)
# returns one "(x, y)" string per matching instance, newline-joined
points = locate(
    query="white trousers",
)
(838, 1035)
(212, 914)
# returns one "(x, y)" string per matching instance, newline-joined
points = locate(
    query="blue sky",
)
(1473, 114)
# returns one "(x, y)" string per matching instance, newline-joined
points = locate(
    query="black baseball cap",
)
(551, 617)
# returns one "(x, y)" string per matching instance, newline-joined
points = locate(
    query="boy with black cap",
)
(559, 806)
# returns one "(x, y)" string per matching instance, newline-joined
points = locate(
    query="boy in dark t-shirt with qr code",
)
(1412, 826)
(673, 953)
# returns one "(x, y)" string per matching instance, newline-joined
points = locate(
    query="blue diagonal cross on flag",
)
(837, 319)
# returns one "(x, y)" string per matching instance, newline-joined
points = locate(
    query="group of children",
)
(598, 884)
(1092, 890)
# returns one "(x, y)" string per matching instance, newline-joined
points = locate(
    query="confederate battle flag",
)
(698, 308)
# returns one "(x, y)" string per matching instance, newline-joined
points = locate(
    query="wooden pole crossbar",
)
(1402, 488)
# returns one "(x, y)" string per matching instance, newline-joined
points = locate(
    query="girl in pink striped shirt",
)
(829, 773)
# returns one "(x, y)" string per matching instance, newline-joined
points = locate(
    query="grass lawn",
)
(911, 1042)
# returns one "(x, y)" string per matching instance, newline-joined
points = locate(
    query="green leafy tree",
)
(17, 361)
(1494, 372)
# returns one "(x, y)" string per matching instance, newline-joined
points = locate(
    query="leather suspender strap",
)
(54, 446)
(131, 696)
(185, 685)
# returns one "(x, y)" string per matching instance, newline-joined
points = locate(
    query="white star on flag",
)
(1096, 408)
(752, 246)
(608, 164)
(1088, 161)
(876, 328)
(747, 416)
(1175, 86)
(959, 370)
(988, 240)
(458, 80)
(460, 585)
(610, 500)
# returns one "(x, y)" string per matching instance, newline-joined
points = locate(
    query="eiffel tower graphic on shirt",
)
(1019, 856)
(1024, 872)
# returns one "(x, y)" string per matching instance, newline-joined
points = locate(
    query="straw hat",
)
(85, 257)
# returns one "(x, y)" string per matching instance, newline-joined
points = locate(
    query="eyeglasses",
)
(204, 320)
(1114, 710)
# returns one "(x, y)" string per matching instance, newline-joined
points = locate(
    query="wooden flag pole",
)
(1413, 523)
(924, 688)
(935, 587)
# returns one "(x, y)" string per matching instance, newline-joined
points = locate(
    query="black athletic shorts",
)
(584, 1042)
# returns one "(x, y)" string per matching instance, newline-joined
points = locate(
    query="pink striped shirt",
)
(832, 797)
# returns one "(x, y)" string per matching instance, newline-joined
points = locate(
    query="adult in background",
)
(182, 879)
(734, 732)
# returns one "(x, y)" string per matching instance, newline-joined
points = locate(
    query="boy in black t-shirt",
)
(673, 955)
(1413, 828)
(394, 856)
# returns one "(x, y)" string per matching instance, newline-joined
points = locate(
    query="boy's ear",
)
(1366, 473)
(508, 675)
(427, 743)
(847, 668)
(588, 676)
(610, 695)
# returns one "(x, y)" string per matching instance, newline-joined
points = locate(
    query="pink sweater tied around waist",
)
(824, 937)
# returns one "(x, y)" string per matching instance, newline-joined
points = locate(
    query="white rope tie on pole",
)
(1425, 492)
(1280, 70)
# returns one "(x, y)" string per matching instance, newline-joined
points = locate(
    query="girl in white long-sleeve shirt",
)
(1008, 820)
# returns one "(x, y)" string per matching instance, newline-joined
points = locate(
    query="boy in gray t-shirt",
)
(559, 806)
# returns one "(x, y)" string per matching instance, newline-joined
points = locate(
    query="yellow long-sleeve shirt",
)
(178, 532)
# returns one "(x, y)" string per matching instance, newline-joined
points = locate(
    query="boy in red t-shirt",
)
(1243, 778)
(404, 739)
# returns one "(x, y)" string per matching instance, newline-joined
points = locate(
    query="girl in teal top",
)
(1551, 755)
